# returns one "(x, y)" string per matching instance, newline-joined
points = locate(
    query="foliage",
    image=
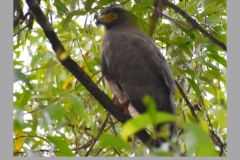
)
(54, 115)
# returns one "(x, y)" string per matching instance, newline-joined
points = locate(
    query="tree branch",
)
(215, 138)
(157, 13)
(99, 133)
(186, 100)
(194, 23)
(82, 77)
(159, 5)
(17, 12)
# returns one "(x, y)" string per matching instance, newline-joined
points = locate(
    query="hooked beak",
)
(105, 19)
(101, 19)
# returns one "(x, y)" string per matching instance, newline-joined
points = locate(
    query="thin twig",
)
(98, 135)
(117, 151)
(40, 150)
(214, 136)
(24, 17)
(32, 136)
(73, 129)
(186, 100)
(84, 146)
(20, 30)
(112, 125)
(98, 152)
(194, 23)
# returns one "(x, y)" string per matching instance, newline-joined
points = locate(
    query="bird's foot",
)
(123, 106)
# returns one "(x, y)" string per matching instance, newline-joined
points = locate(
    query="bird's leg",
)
(123, 105)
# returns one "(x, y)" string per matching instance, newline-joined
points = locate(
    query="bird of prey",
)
(133, 65)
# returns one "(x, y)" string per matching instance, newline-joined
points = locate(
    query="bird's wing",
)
(133, 66)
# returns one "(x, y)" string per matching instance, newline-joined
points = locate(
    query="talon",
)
(123, 106)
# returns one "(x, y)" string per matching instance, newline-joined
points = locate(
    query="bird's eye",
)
(113, 16)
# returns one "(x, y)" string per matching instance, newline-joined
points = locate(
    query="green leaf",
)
(210, 65)
(197, 141)
(35, 59)
(213, 48)
(221, 37)
(212, 20)
(77, 106)
(181, 5)
(194, 86)
(142, 121)
(135, 124)
(102, 3)
(143, 6)
(210, 90)
(151, 117)
(94, 128)
(214, 74)
(219, 59)
(221, 116)
(214, 101)
(50, 73)
(88, 4)
(55, 111)
(16, 124)
(188, 32)
(182, 44)
(206, 79)
(77, 13)
(62, 145)
(151, 105)
(25, 98)
(60, 6)
(34, 122)
(46, 96)
(211, 7)
(190, 72)
(19, 76)
(107, 140)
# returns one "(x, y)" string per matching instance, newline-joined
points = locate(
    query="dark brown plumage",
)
(133, 65)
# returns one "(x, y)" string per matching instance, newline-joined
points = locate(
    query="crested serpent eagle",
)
(133, 65)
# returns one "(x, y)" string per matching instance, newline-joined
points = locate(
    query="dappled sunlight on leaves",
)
(55, 115)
